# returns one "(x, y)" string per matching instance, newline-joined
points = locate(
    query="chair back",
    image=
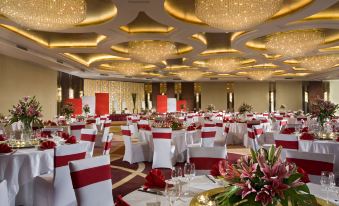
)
(312, 163)
(91, 179)
(208, 123)
(4, 193)
(63, 193)
(76, 129)
(208, 136)
(162, 154)
(287, 142)
(205, 157)
(89, 136)
(107, 144)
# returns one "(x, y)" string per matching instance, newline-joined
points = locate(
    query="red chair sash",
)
(103, 118)
(88, 137)
(250, 134)
(208, 134)
(258, 131)
(107, 125)
(60, 161)
(158, 135)
(209, 125)
(227, 130)
(90, 176)
(312, 167)
(204, 163)
(107, 145)
(126, 132)
(77, 127)
(90, 121)
(219, 124)
(287, 144)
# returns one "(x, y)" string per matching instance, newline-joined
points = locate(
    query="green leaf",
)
(303, 188)
(293, 178)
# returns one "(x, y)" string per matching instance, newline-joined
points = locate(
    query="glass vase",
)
(27, 132)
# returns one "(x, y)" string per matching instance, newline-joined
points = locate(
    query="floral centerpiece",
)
(323, 110)
(2, 118)
(245, 108)
(282, 107)
(67, 110)
(210, 108)
(86, 109)
(262, 179)
(168, 122)
(28, 111)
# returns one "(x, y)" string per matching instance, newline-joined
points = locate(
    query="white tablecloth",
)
(200, 184)
(20, 168)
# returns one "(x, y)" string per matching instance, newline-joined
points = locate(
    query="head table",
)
(200, 184)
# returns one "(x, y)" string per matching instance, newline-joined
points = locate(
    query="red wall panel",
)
(77, 105)
(162, 103)
(181, 102)
(101, 103)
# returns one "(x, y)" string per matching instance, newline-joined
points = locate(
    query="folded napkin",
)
(190, 128)
(62, 122)
(71, 140)
(264, 120)
(155, 179)
(47, 145)
(288, 131)
(337, 139)
(2, 137)
(120, 202)
(305, 179)
(305, 129)
(46, 134)
(4, 148)
(307, 136)
(64, 135)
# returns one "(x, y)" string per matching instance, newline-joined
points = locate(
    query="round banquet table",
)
(200, 184)
(323, 147)
(20, 168)
(179, 139)
(236, 133)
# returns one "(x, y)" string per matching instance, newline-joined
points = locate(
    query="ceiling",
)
(102, 39)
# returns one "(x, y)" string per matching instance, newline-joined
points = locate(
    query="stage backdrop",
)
(171, 105)
(90, 101)
(77, 104)
(181, 102)
(101, 103)
(162, 103)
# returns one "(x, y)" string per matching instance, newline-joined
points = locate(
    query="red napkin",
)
(337, 139)
(71, 140)
(4, 148)
(264, 120)
(215, 170)
(155, 179)
(199, 127)
(2, 137)
(307, 136)
(62, 122)
(46, 134)
(305, 179)
(190, 128)
(288, 131)
(64, 135)
(120, 202)
(279, 118)
(47, 145)
(305, 129)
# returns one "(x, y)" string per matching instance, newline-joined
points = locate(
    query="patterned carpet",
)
(129, 177)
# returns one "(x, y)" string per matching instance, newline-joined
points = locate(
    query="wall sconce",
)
(71, 93)
(81, 94)
(59, 94)
(230, 97)
(306, 97)
(325, 96)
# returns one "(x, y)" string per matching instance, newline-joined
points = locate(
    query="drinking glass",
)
(176, 175)
(189, 173)
(325, 183)
(171, 193)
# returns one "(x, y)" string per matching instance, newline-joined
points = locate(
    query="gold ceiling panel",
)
(145, 24)
(331, 13)
(87, 59)
(329, 49)
(110, 67)
(184, 10)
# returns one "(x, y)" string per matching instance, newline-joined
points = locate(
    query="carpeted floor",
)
(129, 177)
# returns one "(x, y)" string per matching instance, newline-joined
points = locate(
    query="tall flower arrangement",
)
(262, 179)
(210, 108)
(323, 110)
(28, 111)
(67, 110)
(245, 108)
(86, 109)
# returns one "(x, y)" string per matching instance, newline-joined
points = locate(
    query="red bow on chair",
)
(155, 179)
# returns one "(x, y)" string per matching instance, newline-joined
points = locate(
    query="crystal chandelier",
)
(236, 14)
(319, 63)
(190, 75)
(128, 68)
(260, 74)
(294, 43)
(151, 51)
(223, 65)
(45, 15)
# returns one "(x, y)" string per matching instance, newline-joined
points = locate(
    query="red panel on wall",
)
(162, 103)
(101, 103)
(181, 102)
(77, 104)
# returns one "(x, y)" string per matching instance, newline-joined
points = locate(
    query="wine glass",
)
(189, 173)
(171, 193)
(176, 174)
(325, 183)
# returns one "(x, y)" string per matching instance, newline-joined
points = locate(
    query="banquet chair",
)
(107, 144)
(4, 193)
(220, 139)
(208, 123)
(103, 134)
(134, 152)
(205, 157)
(312, 163)
(52, 129)
(95, 191)
(164, 151)
(56, 189)
(287, 142)
(208, 136)
(76, 129)
(89, 136)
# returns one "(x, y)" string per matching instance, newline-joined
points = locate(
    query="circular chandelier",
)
(128, 68)
(190, 75)
(151, 51)
(236, 14)
(260, 74)
(294, 43)
(319, 63)
(223, 65)
(45, 15)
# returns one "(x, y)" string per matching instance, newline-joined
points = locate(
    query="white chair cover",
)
(4, 193)
(312, 163)
(92, 191)
(56, 189)
(220, 139)
(76, 129)
(205, 157)
(89, 136)
(163, 156)
(287, 142)
(107, 144)
(208, 136)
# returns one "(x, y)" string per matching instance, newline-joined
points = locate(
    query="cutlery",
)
(212, 180)
(151, 192)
